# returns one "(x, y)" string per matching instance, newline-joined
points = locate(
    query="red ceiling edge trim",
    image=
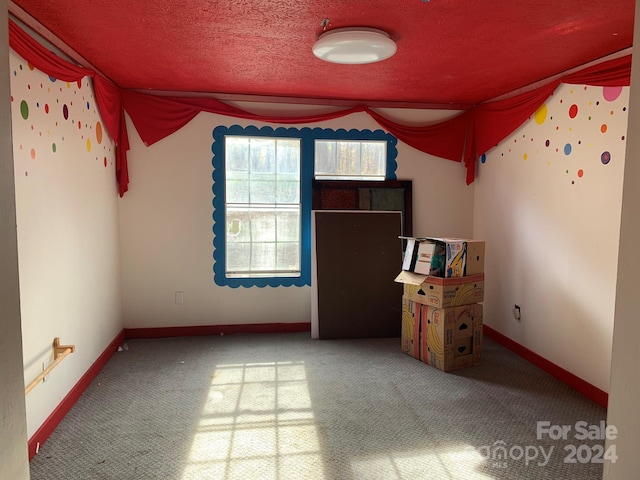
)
(315, 101)
(47, 35)
(546, 81)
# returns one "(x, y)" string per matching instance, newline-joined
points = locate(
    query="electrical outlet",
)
(516, 312)
(44, 367)
(179, 298)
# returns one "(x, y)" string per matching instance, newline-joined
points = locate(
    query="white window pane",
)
(288, 256)
(287, 189)
(263, 226)
(263, 257)
(236, 154)
(373, 155)
(238, 225)
(263, 155)
(238, 257)
(262, 189)
(348, 161)
(325, 157)
(288, 157)
(288, 226)
(237, 190)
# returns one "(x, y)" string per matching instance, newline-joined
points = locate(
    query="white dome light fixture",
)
(354, 46)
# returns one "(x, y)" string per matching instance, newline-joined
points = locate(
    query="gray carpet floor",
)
(283, 406)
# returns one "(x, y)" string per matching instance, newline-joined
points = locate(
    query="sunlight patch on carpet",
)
(257, 422)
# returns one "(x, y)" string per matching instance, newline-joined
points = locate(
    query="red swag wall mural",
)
(462, 138)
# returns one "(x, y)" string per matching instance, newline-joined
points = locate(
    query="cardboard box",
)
(463, 346)
(411, 328)
(446, 346)
(425, 258)
(443, 257)
(450, 258)
(410, 254)
(445, 338)
(442, 292)
(421, 255)
(475, 258)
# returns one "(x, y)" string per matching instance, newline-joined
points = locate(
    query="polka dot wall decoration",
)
(573, 111)
(24, 109)
(571, 128)
(541, 114)
(99, 132)
(611, 93)
(55, 124)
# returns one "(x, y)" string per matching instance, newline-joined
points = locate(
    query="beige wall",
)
(67, 219)
(13, 427)
(166, 228)
(548, 207)
(625, 363)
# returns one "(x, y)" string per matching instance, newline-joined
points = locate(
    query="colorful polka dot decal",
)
(24, 109)
(99, 132)
(576, 129)
(541, 114)
(611, 93)
(573, 111)
(54, 119)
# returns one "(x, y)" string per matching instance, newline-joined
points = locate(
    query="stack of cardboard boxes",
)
(441, 312)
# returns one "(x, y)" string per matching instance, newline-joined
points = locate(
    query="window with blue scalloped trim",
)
(262, 195)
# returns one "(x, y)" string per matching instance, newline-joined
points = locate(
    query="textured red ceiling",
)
(449, 51)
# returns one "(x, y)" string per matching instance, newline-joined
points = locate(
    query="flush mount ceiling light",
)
(354, 45)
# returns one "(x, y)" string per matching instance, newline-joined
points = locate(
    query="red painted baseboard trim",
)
(590, 391)
(202, 330)
(50, 424)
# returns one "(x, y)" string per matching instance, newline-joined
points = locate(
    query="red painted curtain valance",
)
(462, 138)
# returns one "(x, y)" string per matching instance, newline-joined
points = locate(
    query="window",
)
(262, 177)
(262, 195)
(350, 160)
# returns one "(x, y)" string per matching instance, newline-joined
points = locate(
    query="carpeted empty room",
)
(284, 406)
(319, 240)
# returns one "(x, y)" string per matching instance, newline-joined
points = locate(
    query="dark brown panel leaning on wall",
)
(358, 254)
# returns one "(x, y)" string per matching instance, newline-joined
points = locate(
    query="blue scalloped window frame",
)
(307, 138)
